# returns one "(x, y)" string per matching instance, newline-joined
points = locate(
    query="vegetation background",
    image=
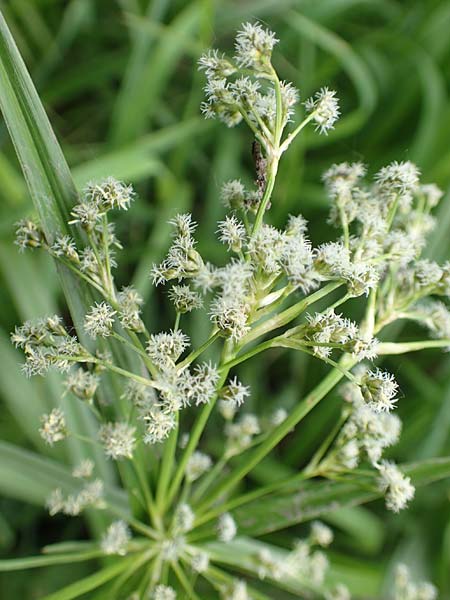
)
(119, 82)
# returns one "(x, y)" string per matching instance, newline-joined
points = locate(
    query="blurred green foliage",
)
(119, 82)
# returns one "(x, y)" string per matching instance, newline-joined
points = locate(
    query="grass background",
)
(119, 83)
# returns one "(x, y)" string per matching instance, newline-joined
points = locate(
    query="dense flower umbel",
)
(152, 392)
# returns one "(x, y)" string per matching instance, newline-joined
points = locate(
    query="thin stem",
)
(134, 523)
(344, 224)
(260, 348)
(135, 566)
(181, 576)
(303, 346)
(166, 468)
(105, 236)
(194, 438)
(279, 109)
(403, 347)
(193, 355)
(299, 412)
(289, 314)
(129, 344)
(323, 448)
(147, 494)
(206, 481)
(290, 138)
(177, 321)
(250, 496)
(80, 274)
(272, 172)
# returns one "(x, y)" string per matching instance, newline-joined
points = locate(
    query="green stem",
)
(256, 350)
(147, 493)
(165, 473)
(403, 347)
(321, 451)
(105, 235)
(289, 314)
(272, 172)
(181, 576)
(193, 355)
(194, 438)
(299, 412)
(206, 481)
(290, 138)
(250, 496)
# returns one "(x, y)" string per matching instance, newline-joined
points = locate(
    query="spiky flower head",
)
(116, 539)
(321, 534)
(233, 194)
(29, 235)
(158, 425)
(109, 194)
(324, 108)
(163, 592)
(183, 519)
(397, 488)
(379, 390)
(226, 528)
(235, 393)
(254, 46)
(166, 348)
(236, 590)
(232, 233)
(197, 465)
(215, 65)
(64, 247)
(400, 177)
(53, 428)
(99, 320)
(84, 469)
(118, 440)
(184, 298)
(130, 303)
(82, 383)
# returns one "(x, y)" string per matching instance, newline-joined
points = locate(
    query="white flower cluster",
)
(369, 429)
(53, 427)
(99, 320)
(247, 88)
(328, 330)
(240, 434)
(82, 383)
(305, 560)
(46, 344)
(197, 465)
(116, 539)
(397, 488)
(324, 109)
(406, 589)
(118, 440)
(183, 260)
(91, 495)
(226, 528)
(163, 592)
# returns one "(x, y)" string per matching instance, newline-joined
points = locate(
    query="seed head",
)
(118, 440)
(99, 320)
(197, 465)
(397, 487)
(226, 528)
(116, 539)
(254, 47)
(325, 107)
(53, 427)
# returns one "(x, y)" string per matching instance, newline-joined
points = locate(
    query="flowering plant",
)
(182, 525)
